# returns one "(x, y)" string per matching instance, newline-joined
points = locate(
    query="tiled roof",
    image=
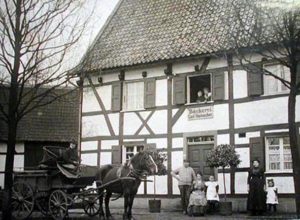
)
(57, 122)
(142, 31)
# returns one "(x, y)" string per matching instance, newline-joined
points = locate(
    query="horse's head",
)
(144, 163)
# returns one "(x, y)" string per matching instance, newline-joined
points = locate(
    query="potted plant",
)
(223, 156)
(155, 204)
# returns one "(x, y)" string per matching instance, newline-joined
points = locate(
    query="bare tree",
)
(35, 38)
(271, 30)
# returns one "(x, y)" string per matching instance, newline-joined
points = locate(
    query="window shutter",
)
(116, 97)
(218, 86)
(257, 150)
(116, 155)
(179, 90)
(255, 80)
(150, 147)
(149, 93)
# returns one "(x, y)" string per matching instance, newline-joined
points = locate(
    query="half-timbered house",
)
(141, 79)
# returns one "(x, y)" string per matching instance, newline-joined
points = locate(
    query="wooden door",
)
(197, 157)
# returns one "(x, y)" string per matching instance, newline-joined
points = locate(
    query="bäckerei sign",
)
(204, 112)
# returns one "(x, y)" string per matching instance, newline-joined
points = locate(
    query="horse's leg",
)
(125, 215)
(100, 194)
(107, 198)
(130, 203)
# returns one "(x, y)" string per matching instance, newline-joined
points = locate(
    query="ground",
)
(143, 214)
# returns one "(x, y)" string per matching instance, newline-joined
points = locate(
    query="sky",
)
(99, 10)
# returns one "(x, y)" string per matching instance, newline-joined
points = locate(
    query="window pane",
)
(286, 140)
(273, 141)
(134, 96)
(139, 148)
(285, 74)
(274, 161)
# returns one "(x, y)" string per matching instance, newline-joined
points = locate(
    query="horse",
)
(140, 165)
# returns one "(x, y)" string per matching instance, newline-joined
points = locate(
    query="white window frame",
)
(278, 82)
(281, 149)
(125, 97)
(188, 92)
(135, 150)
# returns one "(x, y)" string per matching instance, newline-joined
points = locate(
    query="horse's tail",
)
(101, 173)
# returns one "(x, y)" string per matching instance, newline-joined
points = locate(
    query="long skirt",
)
(256, 196)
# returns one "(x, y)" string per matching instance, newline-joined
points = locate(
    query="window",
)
(199, 89)
(133, 96)
(278, 154)
(272, 85)
(130, 151)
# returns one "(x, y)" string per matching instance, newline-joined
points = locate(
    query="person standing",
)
(272, 196)
(256, 193)
(212, 194)
(185, 176)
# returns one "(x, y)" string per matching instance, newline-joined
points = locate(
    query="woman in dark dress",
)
(256, 185)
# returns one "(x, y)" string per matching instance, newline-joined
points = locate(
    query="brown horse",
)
(142, 164)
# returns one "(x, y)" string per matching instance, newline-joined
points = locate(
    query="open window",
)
(199, 89)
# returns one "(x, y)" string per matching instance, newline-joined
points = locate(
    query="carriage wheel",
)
(42, 204)
(91, 205)
(22, 200)
(58, 204)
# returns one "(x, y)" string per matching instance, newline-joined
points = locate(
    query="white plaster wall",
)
(219, 121)
(114, 121)
(158, 122)
(131, 123)
(223, 139)
(240, 88)
(94, 126)
(245, 140)
(89, 159)
(105, 158)
(107, 144)
(298, 108)
(277, 131)
(151, 72)
(226, 83)
(177, 159)
(284, 184)
(2, 180)
(105, 95)
(241, 182)
(161, 91)
(19, 147)
(19, 162)
(2, 163)
(3, 148)
(141, 189)
(161, 143)
(227, 183)
(89, 101)
(161, 185)
(177, 142)
(186, 66)
(110, 77)
(262, 112)
(244, 156)
(217, 63)
(89, 145)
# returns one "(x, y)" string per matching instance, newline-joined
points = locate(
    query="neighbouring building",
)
(141, 78)
(56, 124)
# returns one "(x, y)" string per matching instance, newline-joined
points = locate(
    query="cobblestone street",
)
(143, 214)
